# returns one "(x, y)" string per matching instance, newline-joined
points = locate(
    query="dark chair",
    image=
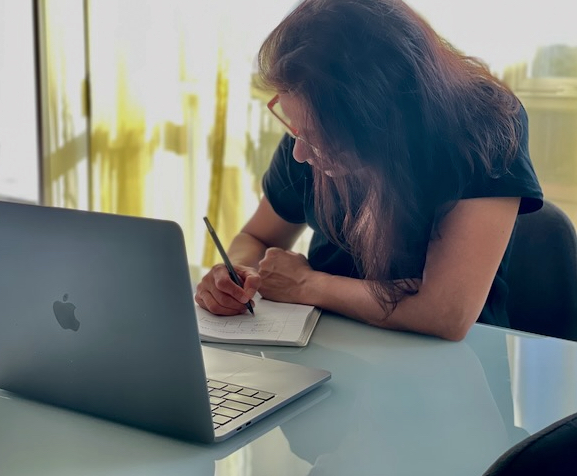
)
(542, 274)
(549, 452)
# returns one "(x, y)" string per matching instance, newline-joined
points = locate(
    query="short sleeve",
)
(520, 180)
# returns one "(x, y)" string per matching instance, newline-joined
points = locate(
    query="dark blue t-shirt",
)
(288, 185)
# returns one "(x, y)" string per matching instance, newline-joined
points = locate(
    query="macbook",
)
(97, 316)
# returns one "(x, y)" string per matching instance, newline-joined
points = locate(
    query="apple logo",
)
(64, 312)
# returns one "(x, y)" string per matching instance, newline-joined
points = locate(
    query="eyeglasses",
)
(276, 109)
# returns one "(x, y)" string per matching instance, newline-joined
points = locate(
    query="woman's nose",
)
(301, 152)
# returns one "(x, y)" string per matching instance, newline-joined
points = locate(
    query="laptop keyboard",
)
(228, 402)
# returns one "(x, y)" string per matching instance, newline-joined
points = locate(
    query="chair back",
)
(542, 274)
(549, 452)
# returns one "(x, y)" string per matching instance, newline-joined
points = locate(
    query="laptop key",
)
(220, 419)
(232, 388)
(244, 399)
(217, 393)
(229, 412)
(215, 384)
(249, 392)
(263, 395)
(215, 400)
(241, 407)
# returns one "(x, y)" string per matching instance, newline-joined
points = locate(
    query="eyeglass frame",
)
(292, 131)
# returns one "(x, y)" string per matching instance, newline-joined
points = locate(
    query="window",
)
(532, 46)
(18, 113)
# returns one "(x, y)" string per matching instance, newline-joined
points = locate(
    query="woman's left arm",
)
(459, 270)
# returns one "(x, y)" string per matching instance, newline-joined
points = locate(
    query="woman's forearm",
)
(246, 250)
(423, 312)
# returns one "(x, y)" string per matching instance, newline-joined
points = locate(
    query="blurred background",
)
(149, 107)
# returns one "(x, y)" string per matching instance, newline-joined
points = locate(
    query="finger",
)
(226, 288)
(220, 272)
(265, 267)
(222, 306)
(252, 283)
(246, 273)
(229, 301)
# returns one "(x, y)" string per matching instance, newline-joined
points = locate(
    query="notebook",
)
(274, 323)
(97, 316)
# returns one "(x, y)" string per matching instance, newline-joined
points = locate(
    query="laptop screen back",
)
(97, 315)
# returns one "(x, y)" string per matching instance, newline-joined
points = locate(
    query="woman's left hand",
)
(284, 274)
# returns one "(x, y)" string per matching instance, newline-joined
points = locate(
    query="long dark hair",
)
(411, 116)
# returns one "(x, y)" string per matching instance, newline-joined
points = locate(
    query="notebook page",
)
(272, 322)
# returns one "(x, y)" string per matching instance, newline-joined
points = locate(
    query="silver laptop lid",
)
(94, 308)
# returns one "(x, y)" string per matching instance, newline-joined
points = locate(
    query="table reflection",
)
(398, 404)
(402, 402)
(543, 380)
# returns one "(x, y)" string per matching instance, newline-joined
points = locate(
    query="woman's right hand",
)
(218, 293)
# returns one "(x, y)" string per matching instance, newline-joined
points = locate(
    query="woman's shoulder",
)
(517, 179)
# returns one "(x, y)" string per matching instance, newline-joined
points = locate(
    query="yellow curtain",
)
(217, 147)
(150, 110)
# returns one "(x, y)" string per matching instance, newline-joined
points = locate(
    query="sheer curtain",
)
(19, 174)
(151, 110)
(64, 122)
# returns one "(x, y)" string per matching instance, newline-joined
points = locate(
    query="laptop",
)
(97, 316)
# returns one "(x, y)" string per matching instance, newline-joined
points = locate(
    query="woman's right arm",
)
(216, 292)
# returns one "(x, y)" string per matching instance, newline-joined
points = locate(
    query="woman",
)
(407, 159)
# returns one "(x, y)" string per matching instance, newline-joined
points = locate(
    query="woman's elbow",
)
(454, 334)
(455, 323)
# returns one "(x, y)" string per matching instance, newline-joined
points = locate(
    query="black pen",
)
(227, 262)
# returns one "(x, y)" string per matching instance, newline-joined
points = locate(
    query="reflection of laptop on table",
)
(97, 315)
